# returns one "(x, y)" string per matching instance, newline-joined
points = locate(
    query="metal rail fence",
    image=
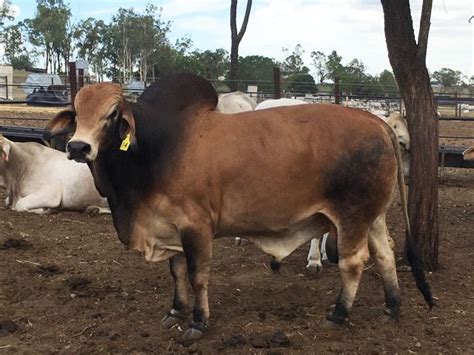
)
(387, 99)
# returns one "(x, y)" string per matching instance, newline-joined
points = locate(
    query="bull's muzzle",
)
(78, 151)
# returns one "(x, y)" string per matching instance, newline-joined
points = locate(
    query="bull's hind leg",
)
(178, 269)
(353, 252)
(384, 260)
(314, 256)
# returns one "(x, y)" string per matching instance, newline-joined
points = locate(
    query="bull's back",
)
(279, 166)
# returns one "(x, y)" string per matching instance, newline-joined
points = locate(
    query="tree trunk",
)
(234, 61)
(408, 60)
(236, 38)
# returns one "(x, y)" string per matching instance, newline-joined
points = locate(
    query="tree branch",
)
(246, 20)
(233, 18)
(424, 28)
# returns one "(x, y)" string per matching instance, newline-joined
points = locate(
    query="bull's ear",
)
(127, 126)
(60, 125)
(5, 149)
(468, 154)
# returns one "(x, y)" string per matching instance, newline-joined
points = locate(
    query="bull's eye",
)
(113, 115)
(395, 126)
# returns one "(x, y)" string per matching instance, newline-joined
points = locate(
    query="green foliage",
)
(353, 78)
(255, 70)
(22, 62)
(302, 83)
(448, 77)
(6, 12)
(133, 40)
(50, 30)
(387, 83)
(135, 45)
(14, 46)
(181, 58)
(90, 36)
(319, 63)
(334, 66)
(293, 63)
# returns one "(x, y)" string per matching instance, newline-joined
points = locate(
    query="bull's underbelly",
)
(159, 238)
(281, 244)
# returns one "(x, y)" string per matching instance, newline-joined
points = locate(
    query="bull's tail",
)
(414, 259)
(417, 270)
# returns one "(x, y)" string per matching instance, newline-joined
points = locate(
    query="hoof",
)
(335, 318)
(92, 211)
(169, 322)
(171, 319)
(390, 316)
(191, 336)
(387, 319)
(275, 266)
(328, 324)
(312, 266)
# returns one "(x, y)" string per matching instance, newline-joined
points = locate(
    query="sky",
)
(354, 28)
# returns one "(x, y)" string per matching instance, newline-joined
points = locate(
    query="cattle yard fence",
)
(456, 108)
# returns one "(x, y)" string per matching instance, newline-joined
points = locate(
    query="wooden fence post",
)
(276, 83)
(72, 81)
(456, 106)
(337, 92)
(80, 79)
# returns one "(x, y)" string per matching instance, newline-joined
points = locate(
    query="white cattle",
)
(399, 126)
(38, 178)
(235, 102)
(279, 102)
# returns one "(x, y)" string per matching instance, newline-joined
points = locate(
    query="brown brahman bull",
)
(178, 174)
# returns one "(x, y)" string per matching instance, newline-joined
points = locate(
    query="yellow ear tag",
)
(125, 143)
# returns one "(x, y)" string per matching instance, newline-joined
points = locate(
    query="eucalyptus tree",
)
(6, 11)
(236, 38)
(407, 56)
(50, 30)
(16, 54)
(90, 37)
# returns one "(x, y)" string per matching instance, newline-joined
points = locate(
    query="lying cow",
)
(234, 102)
(178, 174)
(38, 178)
(279, 102)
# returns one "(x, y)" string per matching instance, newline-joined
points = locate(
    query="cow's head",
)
(100, 114)
(399, 126)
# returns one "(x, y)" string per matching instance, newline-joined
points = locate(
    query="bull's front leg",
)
(178, 270)
(197, 247)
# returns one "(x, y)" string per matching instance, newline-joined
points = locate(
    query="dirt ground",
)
(67, 285)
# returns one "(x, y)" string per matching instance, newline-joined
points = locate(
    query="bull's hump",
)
(175, 93)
